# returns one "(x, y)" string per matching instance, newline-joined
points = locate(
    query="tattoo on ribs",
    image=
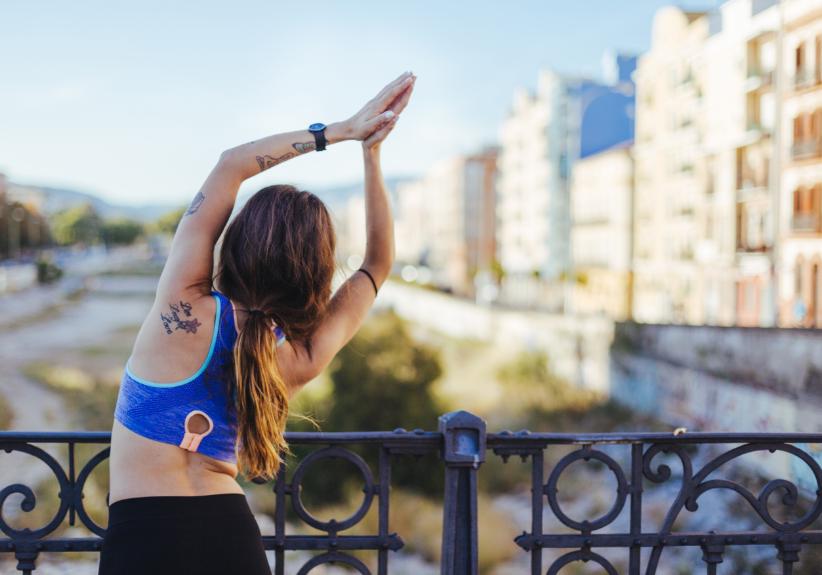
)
(173, 317)
(195, 203)
(267, 161)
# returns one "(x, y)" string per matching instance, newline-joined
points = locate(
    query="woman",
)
(205, 392)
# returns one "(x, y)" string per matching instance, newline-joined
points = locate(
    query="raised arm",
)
(189, 267)
(353, 299)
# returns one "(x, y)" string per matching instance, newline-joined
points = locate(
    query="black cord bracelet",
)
(371, 278)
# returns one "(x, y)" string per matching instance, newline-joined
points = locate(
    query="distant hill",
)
(52, 200)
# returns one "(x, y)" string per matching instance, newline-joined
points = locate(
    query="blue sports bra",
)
(162, 411)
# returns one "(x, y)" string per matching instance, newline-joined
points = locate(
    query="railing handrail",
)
(635, 459)
(315, 437)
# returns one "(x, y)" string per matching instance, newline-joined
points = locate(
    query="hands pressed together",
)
(375, 120)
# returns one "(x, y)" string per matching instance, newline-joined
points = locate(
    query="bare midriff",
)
(142, 467)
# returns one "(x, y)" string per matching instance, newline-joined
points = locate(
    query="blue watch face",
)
(316, 127)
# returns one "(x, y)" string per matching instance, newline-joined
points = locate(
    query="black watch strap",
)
(319, 139)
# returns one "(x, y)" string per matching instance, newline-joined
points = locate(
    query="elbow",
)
(230, 164)
(227, 159)
(379, 269)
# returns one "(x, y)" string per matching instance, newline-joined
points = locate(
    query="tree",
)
(381, 380)
(497, 270)
(533, 391)
(121, 231)
(80, 224)
(167, 223)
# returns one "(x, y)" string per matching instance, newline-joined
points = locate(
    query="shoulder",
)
(175, 336)
(184, 312)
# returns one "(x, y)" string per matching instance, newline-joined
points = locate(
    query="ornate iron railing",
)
(620, 540)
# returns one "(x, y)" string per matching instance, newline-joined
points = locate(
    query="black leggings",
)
(196, 535)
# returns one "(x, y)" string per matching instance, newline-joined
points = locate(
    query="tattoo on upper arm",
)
(173, 317)
(195, 203)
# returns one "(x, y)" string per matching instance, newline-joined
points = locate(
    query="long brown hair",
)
(277, 256)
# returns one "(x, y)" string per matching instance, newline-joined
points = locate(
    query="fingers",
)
(401, 101)
(379, 121)
(394, 92)
(380, 134)
(393, 84)
(391, 100)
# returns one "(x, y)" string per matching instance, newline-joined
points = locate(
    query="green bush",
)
(80, 224)
(47, 270)
(531, 385)
(121, 231)
(381, 380)
(6, 413)
(167, 223)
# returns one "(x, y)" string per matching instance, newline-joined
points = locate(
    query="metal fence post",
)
(463, 449)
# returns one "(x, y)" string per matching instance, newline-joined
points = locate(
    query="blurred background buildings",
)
(684, 188)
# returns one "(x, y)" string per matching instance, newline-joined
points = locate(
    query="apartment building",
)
(537, 140)
(601, 238)
(671, 182)
(446, 220)
(800, 206)
(543, 136)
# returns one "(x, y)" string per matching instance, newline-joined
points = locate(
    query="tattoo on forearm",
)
(195, 203)
(268, 161)
(303, 147)
(187, 325)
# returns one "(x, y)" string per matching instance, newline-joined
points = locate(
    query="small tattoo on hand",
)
(187, 325)
(195, 203)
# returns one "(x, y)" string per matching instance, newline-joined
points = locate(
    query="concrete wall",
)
(726, 380)
(15, 277)
(577, 346)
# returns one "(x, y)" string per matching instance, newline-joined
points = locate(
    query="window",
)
(740, 226)
(818, 54)
(798, 129)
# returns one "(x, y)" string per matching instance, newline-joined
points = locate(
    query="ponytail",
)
(262, 399)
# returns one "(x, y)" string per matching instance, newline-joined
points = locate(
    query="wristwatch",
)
(318, 130)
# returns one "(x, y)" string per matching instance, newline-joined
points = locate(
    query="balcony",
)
(749, 247)
(681, 467)
(757, 129)
(803, 79)
(805, 223)
(807, 149)
(758, 78)
(749, 182)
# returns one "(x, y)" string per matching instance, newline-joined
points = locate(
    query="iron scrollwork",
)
(786, 536)
(642, 467)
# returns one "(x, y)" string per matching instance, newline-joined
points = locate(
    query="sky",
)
(134, 101)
